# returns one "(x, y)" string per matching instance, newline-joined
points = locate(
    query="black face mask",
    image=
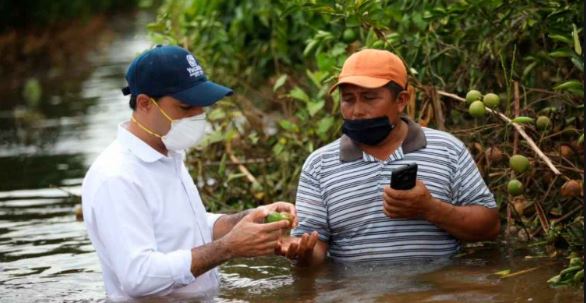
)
(368, 131)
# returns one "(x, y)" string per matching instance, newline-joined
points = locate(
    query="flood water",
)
(46, 256)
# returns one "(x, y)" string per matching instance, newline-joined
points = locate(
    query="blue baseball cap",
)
(172, 71)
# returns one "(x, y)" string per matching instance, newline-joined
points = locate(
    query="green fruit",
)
(275, 217)
(473, 95)
(491, 100)
(515, 187)
(519, 163)
(32, 91)
(543, 123)
(349, 35)
(477, 109)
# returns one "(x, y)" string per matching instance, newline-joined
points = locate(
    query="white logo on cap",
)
(195, 70)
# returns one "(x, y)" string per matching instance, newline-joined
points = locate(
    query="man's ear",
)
(143, 103)
(402, 99)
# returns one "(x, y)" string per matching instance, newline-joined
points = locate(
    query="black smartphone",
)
(403, 178)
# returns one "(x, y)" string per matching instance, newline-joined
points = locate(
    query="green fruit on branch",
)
(477, 109)
(473, 95)
(491, 100)
(349, 35)
(515, 187)
(543, 123)
(519, 163)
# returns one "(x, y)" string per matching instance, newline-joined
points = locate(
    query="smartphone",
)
(403, 178)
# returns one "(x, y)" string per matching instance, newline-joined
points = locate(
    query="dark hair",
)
(132, 102)
(395, 88)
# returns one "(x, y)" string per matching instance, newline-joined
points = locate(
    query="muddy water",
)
(46, 256)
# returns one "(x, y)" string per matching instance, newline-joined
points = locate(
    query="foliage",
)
(573, 274)
(281, 56)
(19, 14)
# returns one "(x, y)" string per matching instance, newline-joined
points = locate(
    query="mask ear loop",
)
(162, 111)
(146, 129)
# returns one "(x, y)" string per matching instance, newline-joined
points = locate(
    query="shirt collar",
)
(138, 147)
(415, 140)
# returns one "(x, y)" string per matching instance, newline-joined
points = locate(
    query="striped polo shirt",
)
(340, 195)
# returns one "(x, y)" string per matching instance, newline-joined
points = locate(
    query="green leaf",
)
(523, 119)
(279, 82)
(216, 114)
(561, 38)
(278, 149)
(577, 46)
(578, 62)
(560, 54)
(314, 107)
(502, 272)
(316, 77)
(288, 126)
(299, 94)
(324, 125)
(222, 167)
(529, 68)
(214, 137)
(309, 47)
(572, 84)
(156, 27)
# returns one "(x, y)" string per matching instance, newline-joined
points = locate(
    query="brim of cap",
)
(203, 94)
(362, 81)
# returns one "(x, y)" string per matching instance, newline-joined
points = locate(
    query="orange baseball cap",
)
(372, 68)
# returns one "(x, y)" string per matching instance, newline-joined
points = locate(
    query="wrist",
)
(434, 211)
(225, 249)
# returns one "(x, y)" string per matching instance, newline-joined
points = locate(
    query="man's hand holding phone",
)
(406, 197)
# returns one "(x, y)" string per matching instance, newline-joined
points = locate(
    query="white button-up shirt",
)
(143, 215)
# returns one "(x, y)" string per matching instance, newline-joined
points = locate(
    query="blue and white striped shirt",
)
(340, 195)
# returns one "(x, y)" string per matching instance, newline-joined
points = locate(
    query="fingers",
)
(269, 227)
(313, 239)
(292, 251)
(396, 194)
(409, 194)
(285, 207)
(257, 215)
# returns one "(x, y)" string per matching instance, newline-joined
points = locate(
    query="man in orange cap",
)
(346, 209)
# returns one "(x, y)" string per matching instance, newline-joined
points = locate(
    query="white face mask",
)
(185, 133)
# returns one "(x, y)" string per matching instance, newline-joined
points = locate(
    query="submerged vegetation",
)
(503, 76)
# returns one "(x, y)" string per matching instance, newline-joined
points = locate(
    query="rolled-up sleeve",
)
(128, 245)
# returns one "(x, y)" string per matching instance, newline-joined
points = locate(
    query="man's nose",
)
(358, 110)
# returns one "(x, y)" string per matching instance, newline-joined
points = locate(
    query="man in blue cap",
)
(141, 208)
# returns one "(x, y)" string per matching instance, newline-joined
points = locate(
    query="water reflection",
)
(45, 149)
